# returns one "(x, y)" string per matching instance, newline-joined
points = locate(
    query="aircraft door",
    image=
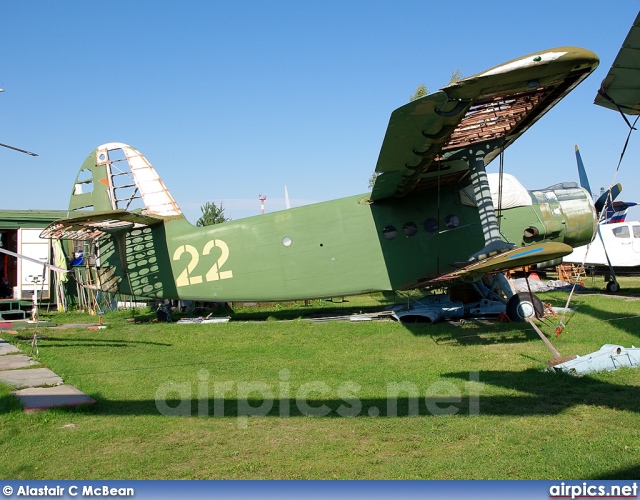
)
(31, 277)
(635, 241)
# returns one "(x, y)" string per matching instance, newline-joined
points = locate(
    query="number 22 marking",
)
(186, 277)
(215, 273)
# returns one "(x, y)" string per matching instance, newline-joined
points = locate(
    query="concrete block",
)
(13, 361)
(6, 348)
(41, 398)
(36, 377)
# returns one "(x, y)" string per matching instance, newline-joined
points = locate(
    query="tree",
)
(456, 76)
(421, 91)
(211, 214)
(372, 180)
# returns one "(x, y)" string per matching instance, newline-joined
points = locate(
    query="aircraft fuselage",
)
(340, 247)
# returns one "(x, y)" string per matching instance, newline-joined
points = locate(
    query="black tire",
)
(520, 307)
(613, 287)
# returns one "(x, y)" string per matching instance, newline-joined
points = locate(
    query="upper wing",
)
(427, 140)
(620, 90)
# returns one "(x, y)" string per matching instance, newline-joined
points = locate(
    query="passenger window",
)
(621, 232)
(636, 231)
(431, 225)
(389, 233)
(410, 229)
(452, 221)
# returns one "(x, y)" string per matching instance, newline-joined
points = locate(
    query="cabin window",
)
(452, 221)
(84, 182)
(410, 229)
(389, 232)
(286, 241)
(636, 231)
(621, 232)
(431, 225)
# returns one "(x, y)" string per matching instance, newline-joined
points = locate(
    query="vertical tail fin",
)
(618, 211)
(116, 176)
(125, 233)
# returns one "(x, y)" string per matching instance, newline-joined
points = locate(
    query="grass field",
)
(287, 398)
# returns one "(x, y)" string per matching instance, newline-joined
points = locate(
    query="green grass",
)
(531, 424)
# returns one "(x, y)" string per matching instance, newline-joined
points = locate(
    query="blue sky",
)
(229, 100)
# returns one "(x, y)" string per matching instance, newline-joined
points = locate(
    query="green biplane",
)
(430, 219)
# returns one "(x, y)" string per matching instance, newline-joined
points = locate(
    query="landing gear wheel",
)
(520, 307)
(613, 287)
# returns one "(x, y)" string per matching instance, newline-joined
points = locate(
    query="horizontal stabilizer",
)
(511, 259)
(96, 225)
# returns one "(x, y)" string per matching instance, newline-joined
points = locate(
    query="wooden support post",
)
(544, 338)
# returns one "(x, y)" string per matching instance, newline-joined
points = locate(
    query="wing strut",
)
(482, 191)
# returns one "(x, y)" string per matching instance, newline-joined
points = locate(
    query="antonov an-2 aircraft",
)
(430, 218)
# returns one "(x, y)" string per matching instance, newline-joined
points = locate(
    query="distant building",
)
(20, 233)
